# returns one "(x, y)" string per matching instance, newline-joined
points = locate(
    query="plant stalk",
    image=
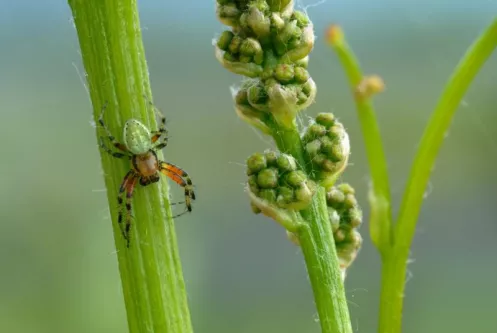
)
(318, 246)
(114, 60)
(395, 263)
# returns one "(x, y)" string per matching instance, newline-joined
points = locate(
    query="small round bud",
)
(268, 178)
(250, 46)
(285, 196)
(335, 197)
(350, 201)
(277, 22)
(255, 163)
(316, 130)
(256, 94)
(224, 40)
(241, 97)
(346, 188)
(325, 119)
(339, 236)
(245, 59)
(286, 163)
(234, 46)
(313, 148)
(229, 57)
(296, 178)
(268, 195)
(304, 62)
(253, 186)
(284, 73)
(304, 194)
(271, 158)
(355, 217)
(301, 18)
(228, 14)
(329, 157)
(301, 75)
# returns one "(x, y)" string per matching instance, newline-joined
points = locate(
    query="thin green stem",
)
(380, 200)
(395, 263)
(435, 132)
(318, 246)
(114, 59)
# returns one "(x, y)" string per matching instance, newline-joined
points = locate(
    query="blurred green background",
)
(58, 266)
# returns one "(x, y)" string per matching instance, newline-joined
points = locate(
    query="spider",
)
(140, 147)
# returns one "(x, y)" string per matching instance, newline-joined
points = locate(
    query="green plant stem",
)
(380, 200)
(395, 263)
(114, 59)
(318, 247)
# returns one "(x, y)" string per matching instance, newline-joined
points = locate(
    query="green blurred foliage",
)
(58, 269)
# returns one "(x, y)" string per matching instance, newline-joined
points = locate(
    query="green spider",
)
(140, 147)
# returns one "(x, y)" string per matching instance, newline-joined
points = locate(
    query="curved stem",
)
(114, 59)
(435, 132)
(395, 263)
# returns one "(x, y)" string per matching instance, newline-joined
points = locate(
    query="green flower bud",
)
(301, 75)
(304, 62)
(289, 31)
(286, 163)
(346, 188)
(256, 163)
(268, 178)
(327, 144)
(284, 73)
(345, 216)
(230, 63)
(271, 158)
(268, 195)
(224, 40)
(228, 14)
(259, 23)
(301, 18)
(234, 46)
(304, 47)
(279, 5)
(278, 172)
(285, 196)
(277, 22)
(304, 194)
(325, 119)
(229, 57)
(296, 178)
(250, 47)
(256, 95)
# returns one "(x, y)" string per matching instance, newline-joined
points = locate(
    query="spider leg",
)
(112, 139)
(181, 178)
(127, 186)
(162, 128)
(109, 151)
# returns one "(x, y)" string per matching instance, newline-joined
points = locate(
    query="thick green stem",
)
(393, 273)
(114, 59)
(318, 246)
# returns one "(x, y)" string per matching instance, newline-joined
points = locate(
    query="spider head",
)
(137, 137)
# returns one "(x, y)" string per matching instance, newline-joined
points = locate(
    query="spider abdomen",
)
(146, 164)
(136, 137)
